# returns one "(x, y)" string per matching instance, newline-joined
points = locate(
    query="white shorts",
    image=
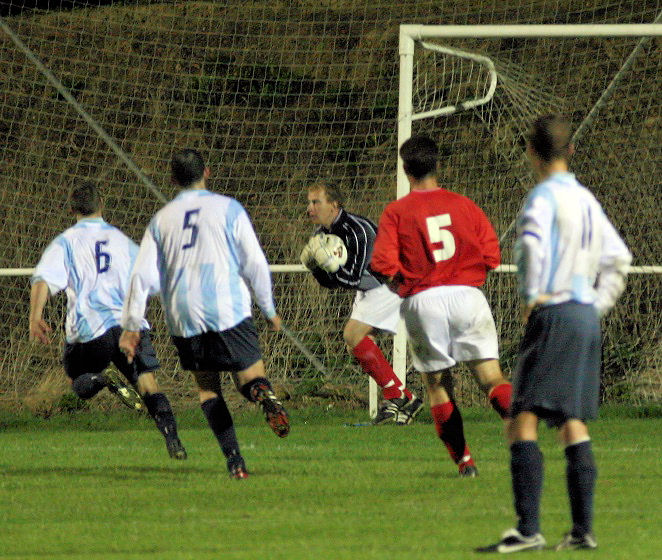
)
(449, 324)
(379, 308)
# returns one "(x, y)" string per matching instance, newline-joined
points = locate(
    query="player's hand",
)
(393, 282)
(313, 254)
(39, 330)
(274, 323)
(527, 308)
(306, 257)
(129, 344)
(326, 252)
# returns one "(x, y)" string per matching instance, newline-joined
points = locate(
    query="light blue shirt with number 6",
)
(91, 261)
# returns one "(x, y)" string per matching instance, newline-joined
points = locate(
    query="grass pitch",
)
(91, 487)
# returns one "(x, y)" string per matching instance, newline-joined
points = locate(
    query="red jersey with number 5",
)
(435, 238)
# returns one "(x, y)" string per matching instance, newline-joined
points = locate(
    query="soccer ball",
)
(330, 253)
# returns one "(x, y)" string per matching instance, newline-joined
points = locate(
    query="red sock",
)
(450, 429)
(500, 399)
(376, 366)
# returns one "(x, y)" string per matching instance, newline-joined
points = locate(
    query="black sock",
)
(159, 408)
(526, 468)
(246, 389)
(581, 473)
(220, 422)
(88, 385)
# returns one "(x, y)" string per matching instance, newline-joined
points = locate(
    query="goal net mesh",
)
(277, 95)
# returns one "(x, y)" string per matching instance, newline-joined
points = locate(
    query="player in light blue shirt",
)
(572, 267)
(91, 262)
(567, 249)
(201, 254)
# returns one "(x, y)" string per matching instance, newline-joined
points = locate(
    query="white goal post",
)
(417, 35)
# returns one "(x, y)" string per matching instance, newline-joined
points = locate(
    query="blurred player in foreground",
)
(572, 266)
(91, 261)
(375, 308)
(435, 247)
(205, 252)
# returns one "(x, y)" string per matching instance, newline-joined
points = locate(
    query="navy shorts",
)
(557, 376)
(233, 349)
(95, 356)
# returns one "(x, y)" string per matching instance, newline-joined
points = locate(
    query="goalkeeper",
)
(375, 307)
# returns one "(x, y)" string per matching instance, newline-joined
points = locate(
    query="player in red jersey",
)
(435, 247)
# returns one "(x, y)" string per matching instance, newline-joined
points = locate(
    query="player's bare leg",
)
(160, 410)
(448, 420)
(220, 420)
(251, 373)
(489, 376)
(524, 427)
(253, 384)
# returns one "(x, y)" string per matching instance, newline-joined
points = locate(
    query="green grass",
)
(91, 487)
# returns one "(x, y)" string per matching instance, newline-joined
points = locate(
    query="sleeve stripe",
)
(359, 229)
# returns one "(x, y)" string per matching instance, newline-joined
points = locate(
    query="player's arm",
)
(152, 279)
(613, 268)
(50, 276)
(358, 244)
(141, 285)
(385, 261)
(488, 239)
(255, 268)
(532, 227)
(39, 329)
(324, 278)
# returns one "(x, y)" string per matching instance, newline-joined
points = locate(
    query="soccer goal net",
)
(277, 96)
(477, 89)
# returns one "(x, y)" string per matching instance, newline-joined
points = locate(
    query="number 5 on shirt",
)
(438, 234)
(189, 223)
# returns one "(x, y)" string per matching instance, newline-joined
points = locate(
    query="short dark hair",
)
(85, 199)
(331, 190)
(187, 167)
(419, 156)
(550, 137)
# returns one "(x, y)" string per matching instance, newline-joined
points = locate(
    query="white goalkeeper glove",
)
(325, 251)
(306, 256)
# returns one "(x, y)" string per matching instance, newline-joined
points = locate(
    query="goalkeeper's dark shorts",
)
(97, 354)
(234, 349)
(557, 376)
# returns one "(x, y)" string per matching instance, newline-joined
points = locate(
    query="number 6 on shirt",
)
(438, 234)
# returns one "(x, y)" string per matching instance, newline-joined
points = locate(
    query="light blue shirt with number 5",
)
(567, 249)
(91, 261)
(208, 259)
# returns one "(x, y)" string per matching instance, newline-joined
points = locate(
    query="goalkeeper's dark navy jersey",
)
(358, 234)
